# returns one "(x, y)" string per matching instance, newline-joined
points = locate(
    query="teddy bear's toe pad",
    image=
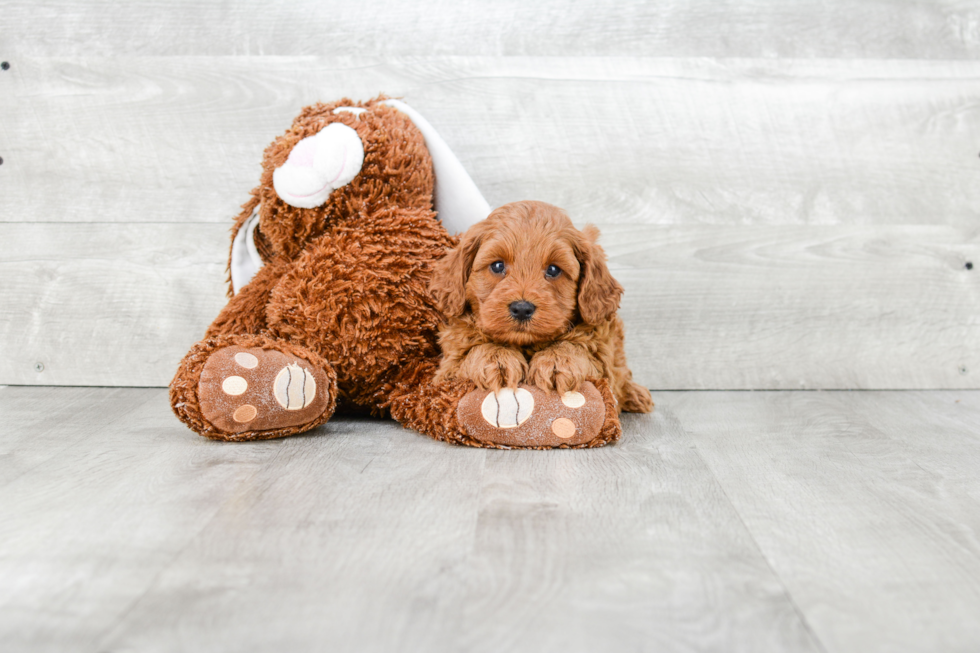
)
(257, 389)
(531, 417)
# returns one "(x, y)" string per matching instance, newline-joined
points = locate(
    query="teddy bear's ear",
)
(458, 202)
(245, 259)
(318, 165)
(448, 284)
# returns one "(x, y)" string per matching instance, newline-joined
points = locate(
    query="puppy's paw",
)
(638, 399)
(562, 368)
(493, 367)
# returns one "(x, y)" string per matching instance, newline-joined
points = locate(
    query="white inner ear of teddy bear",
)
(319, 165)
(245, 259)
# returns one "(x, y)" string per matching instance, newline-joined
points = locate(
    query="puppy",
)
(528, 298)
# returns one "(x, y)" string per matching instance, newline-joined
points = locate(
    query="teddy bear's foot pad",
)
(253, 389)
(531, 417)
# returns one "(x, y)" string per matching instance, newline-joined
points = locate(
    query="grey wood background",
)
(788, 192)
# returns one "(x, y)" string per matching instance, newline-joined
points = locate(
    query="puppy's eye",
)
(552, 272)
(497, 267)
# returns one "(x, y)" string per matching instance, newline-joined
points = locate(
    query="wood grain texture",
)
(799, 307)
(372, 547)
(116, 497)
(599, 552)
(779, 220)
(106, 304)
(783, 521)
(923, 29)
(706, 307)
(43, 422)
(613, 140)
(363, 536)
(865, 504)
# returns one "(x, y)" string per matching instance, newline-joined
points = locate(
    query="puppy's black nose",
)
(522, 310)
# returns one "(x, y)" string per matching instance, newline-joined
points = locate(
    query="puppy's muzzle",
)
(522, 310)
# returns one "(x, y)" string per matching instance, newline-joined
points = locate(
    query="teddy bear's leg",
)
(246, 311)
(528, 418)
(532, 418)
(251, 387)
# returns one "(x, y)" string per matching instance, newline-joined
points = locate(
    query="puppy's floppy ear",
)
(449, 277)
(598, 292)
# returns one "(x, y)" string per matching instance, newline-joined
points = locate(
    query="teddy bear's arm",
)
(245, 313)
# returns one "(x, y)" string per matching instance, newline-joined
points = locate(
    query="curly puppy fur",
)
(529, 298)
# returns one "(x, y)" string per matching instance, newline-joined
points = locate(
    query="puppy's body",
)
(528, 297)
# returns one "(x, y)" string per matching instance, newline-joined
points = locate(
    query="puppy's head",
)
(527, 274)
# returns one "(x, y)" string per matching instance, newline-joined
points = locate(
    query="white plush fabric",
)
(318, 165)
(245, 259)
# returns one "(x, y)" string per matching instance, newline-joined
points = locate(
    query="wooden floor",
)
(727, 521)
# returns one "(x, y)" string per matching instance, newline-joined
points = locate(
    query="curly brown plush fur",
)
(343, 289)
(530, 299)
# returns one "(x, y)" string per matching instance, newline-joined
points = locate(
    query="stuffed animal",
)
(329, 304)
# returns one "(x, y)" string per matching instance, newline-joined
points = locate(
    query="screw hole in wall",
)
(5, 65)
(39, 367)
(969, 265)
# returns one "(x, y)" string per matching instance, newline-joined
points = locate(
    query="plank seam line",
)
(755, 543)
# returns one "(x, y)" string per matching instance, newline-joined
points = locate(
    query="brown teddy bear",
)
(330, 308)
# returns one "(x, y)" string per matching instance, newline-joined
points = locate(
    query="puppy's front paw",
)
(493, 367)
(561, 368)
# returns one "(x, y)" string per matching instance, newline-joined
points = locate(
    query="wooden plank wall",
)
(788, 191)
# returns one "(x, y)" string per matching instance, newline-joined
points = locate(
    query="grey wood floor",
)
(728, 521)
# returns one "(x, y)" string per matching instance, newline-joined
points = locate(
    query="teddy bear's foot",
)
(255, 392)
(533, 418)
